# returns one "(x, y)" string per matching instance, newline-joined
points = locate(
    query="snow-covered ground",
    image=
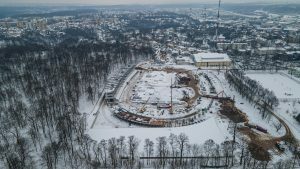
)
(211, 126)
(155, 86)
(282, 86)
(244, 105)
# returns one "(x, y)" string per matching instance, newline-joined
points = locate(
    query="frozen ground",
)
(146, 88)
(106, 120)
(287, 111)
(213, 128)
(155, 86)
(244, 105)
(282, 86)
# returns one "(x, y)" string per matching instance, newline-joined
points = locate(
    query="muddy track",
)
(289, 136)
(258, 143)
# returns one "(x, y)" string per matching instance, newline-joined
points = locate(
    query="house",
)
(184, 60)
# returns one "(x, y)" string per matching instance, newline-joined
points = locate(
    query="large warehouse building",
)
(212, 60)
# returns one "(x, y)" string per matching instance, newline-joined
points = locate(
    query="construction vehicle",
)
(143, 108)
(261, 129)
(163, 105)
(221, 92)
(257, 127)
(280, 145)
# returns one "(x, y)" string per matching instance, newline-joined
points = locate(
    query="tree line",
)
(250, 88)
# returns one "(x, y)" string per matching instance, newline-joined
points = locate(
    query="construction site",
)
(191, 99)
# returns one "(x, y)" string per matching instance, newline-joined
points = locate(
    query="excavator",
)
(221, 93)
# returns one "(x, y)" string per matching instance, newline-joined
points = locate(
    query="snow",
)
(124, 85)
(209, 125)
(287, 111)
(244, 105)
(213, 128)
(107, 120)
(282, 86)
(85, 106)
(211, 57)
(155, 86)
(88, 108)
(289, 105)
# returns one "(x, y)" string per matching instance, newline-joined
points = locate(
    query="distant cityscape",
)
(171, 86)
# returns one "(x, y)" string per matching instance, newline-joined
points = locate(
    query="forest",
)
(40, 87)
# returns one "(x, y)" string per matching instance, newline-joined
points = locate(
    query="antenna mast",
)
(218, 21)
(171, 109)
(205, 26)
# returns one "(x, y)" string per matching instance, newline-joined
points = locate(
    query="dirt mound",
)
(230, 111)
(258, 152)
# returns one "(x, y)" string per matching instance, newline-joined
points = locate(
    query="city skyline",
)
(132, 2)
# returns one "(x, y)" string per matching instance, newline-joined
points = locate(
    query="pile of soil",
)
(258, 152)
(230, 111)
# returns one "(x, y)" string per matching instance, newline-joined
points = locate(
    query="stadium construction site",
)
(157, 96)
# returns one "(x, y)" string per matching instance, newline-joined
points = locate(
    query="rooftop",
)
(211, 57)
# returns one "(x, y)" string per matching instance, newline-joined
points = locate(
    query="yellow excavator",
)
(143, 108)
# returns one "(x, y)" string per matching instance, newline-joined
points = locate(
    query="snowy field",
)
(155, 86)
(282, 86)
(212, 125)
(213, 128)
(244, 105)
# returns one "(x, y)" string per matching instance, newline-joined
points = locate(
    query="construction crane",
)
(143, 108)
(221, 92)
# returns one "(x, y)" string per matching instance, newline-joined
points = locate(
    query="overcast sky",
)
(117, 2)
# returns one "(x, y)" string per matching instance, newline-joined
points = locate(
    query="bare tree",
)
(277, 125)
(183, 141)
(113, 152)
(133, 144)
(149, 148)
(162, 149)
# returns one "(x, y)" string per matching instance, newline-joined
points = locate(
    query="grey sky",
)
(117, 2)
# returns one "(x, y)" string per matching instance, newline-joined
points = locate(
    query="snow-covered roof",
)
(270, 48)
(184, 59)
(211, 57)
(221, 36)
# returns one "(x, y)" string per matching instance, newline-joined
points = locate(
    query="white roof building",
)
(212, 60)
